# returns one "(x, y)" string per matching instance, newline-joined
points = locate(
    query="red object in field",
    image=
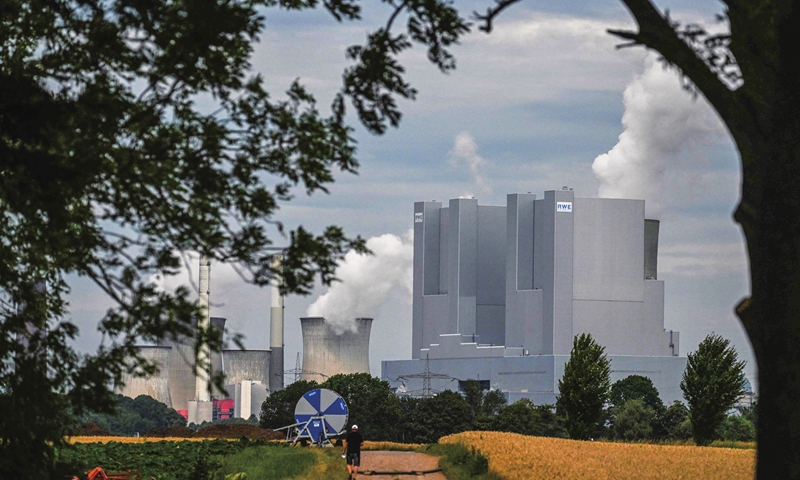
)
(97, 474)
(185, 413)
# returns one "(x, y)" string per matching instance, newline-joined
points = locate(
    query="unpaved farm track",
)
(382, 461)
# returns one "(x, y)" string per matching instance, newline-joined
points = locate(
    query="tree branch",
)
(656, 33)
(491, 13)
(396, 12)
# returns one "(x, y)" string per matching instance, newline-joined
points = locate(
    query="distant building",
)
(748, 398)
(500, 292)
(174, 385)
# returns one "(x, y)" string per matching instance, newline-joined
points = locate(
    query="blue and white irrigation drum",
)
(330, 409)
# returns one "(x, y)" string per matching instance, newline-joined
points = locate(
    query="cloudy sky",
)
(543, 102)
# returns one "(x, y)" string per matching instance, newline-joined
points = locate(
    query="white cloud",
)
(693, 259)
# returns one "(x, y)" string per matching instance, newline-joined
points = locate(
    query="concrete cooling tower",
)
(156, 386)
(241, 365)
(175, 383)
(326, 352)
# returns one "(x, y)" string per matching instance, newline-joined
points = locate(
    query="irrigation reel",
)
(320, 415)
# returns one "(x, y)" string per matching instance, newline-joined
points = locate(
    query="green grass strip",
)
(459, 462)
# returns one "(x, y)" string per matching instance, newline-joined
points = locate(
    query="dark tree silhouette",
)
(109, 171)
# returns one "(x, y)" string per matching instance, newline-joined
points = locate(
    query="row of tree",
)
(588, 405)
(135, 415)
(631, 409)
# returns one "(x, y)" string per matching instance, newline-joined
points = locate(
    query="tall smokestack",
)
(201, 380)
(276, 329)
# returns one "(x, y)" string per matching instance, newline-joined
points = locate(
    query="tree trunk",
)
(762, 117)
(770, 217)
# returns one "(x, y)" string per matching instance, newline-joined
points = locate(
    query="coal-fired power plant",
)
(327, 351)
(248, 373)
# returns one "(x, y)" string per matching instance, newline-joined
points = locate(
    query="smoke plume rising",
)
(465, 151)
(367, 281)
(666, 131)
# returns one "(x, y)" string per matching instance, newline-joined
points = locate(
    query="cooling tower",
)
(156, 386)
(182, 382)
(326, 353)
(243, 365)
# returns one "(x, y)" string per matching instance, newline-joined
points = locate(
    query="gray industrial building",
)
(500, 292)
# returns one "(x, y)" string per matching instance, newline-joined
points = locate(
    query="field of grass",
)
(203, 459)
(283, 463)
(513, 456)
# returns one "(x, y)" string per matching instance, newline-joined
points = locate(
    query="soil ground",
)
(218, 430)
(90, 430)
(382, 461)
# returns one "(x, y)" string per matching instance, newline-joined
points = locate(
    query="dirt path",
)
(381, 461)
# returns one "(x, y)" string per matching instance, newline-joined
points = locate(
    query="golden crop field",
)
(134, 439)
(513, 456)
(407, 447)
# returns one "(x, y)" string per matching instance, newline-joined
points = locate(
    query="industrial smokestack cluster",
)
(329, 348)
(185, 386)
(327, 351)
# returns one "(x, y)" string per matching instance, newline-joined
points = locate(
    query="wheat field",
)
(513, 456)
(87, 439)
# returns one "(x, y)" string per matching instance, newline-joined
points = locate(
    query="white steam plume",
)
(665, 133)
(367, 281)
(465, 150)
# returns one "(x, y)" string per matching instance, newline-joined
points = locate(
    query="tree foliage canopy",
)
(713, 381)
(136, 415)
(372, 405)
(636, 387)
(436, 417)
(111, 170)
(633, 420)
(583, 390)
(526, 418)
(278, 409)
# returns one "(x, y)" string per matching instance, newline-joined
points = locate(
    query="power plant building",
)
(249, 375)
(175, 383)
(500, 291)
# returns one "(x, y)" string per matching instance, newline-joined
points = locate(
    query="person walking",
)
(352, 450)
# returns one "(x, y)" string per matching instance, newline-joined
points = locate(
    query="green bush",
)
(436, 417)
(737, 428)
(633, 420)
(673, 422)
(460, 463)
(526, 418)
